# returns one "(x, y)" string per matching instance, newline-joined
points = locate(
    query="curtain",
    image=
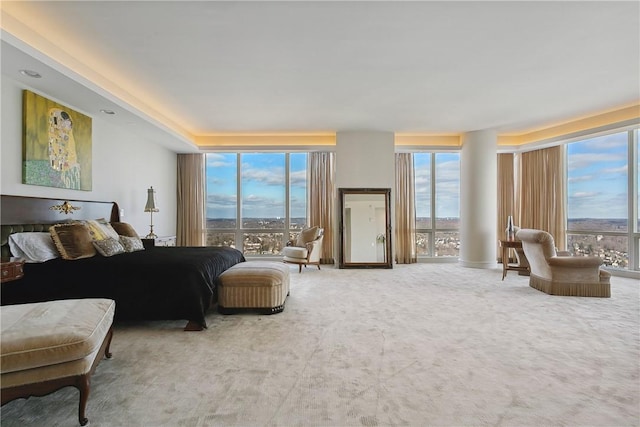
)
(541, 198)
(405, 234)
(321, 199)
(506, 196)
(191, 227)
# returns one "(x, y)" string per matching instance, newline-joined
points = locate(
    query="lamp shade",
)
(151, 201)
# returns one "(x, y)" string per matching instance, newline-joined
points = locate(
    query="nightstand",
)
(12, 269)
(159, 241)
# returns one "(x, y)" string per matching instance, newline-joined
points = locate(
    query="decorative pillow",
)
(107, 228)
(74, 241)
(33, 247)
(108, 247)
(306, 236)
(124, 229)
(96, 231)
(131, 244)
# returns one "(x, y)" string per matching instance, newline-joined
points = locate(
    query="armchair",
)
(305, 249)
(557, 274)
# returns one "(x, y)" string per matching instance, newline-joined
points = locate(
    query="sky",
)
(263, 189)
(447, 184)
(597, 173)
(263, 179)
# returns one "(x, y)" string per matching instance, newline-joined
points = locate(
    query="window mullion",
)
(632, 186)
(287, 200)
(432, 240)
(239, 241)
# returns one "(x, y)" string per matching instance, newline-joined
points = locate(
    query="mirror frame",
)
(386, 192)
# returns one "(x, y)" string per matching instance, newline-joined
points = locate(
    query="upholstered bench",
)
(50, 345)
(260, 286)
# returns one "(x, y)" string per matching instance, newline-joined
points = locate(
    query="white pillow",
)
(33, 247)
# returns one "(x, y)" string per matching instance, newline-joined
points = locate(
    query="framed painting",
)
(56, 144)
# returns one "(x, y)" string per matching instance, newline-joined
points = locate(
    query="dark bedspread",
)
(162, 283)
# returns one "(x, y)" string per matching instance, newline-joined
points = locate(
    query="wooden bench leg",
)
(84, 386)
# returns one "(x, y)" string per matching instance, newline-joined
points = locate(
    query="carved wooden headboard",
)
(26, 214)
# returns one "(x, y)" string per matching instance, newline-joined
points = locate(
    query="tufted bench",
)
(50, 345)
(261, 286)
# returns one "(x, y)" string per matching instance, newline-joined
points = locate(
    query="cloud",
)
(221, 201)
(584, 160)
(448, 171)
(597, 205)
(270, 176)
(605, 143)
(217, 160)
(622, 170)
(298, 178)
(582, 178)
(584, 194)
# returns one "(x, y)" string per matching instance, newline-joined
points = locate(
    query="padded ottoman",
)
(260, 286)
(50, 345)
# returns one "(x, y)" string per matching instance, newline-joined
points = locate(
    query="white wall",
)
(365, 159)
(124, 166)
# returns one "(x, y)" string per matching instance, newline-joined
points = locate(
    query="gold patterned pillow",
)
(108, 247)
(131, 244)
(73, 241)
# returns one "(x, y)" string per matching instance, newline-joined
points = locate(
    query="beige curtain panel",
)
(321, 199)
(191, 222)
(405, 233)
(540, 193)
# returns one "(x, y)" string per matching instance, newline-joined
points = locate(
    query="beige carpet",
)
(418, 345)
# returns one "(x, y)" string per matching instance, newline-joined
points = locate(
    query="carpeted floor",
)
(418, 345)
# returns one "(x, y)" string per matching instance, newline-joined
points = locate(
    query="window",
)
(437, 178)
(599, 203)
(255, 201)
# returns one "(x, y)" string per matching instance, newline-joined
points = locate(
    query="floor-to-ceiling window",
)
(255, 201)
(437, 194)
(601, 174)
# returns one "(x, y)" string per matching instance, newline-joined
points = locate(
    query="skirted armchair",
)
(305, 249)
(562, 275)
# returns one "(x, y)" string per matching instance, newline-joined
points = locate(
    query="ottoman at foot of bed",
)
(253, 286)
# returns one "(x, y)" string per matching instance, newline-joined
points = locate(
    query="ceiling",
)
(193, 68)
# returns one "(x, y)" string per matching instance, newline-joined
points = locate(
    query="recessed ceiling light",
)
(110, 112)
(30, 73)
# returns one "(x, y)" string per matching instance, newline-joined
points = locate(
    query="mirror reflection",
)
(365, 228)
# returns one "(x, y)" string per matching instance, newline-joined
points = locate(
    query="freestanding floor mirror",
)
(365, 228)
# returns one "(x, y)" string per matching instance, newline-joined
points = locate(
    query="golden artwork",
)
(66, 208)
(56, 144)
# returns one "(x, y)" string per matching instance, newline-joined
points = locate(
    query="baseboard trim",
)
(485, 265)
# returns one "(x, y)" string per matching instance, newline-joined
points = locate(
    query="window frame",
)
(433, 231)
(286, 232)
(632, 234)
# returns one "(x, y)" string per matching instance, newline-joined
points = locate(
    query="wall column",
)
(365, 159)
(478, 199)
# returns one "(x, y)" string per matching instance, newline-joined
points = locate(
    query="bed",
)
(162, 283)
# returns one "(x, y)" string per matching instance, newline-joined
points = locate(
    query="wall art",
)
(56, 144)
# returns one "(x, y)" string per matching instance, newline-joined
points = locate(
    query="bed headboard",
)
(26, 214)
